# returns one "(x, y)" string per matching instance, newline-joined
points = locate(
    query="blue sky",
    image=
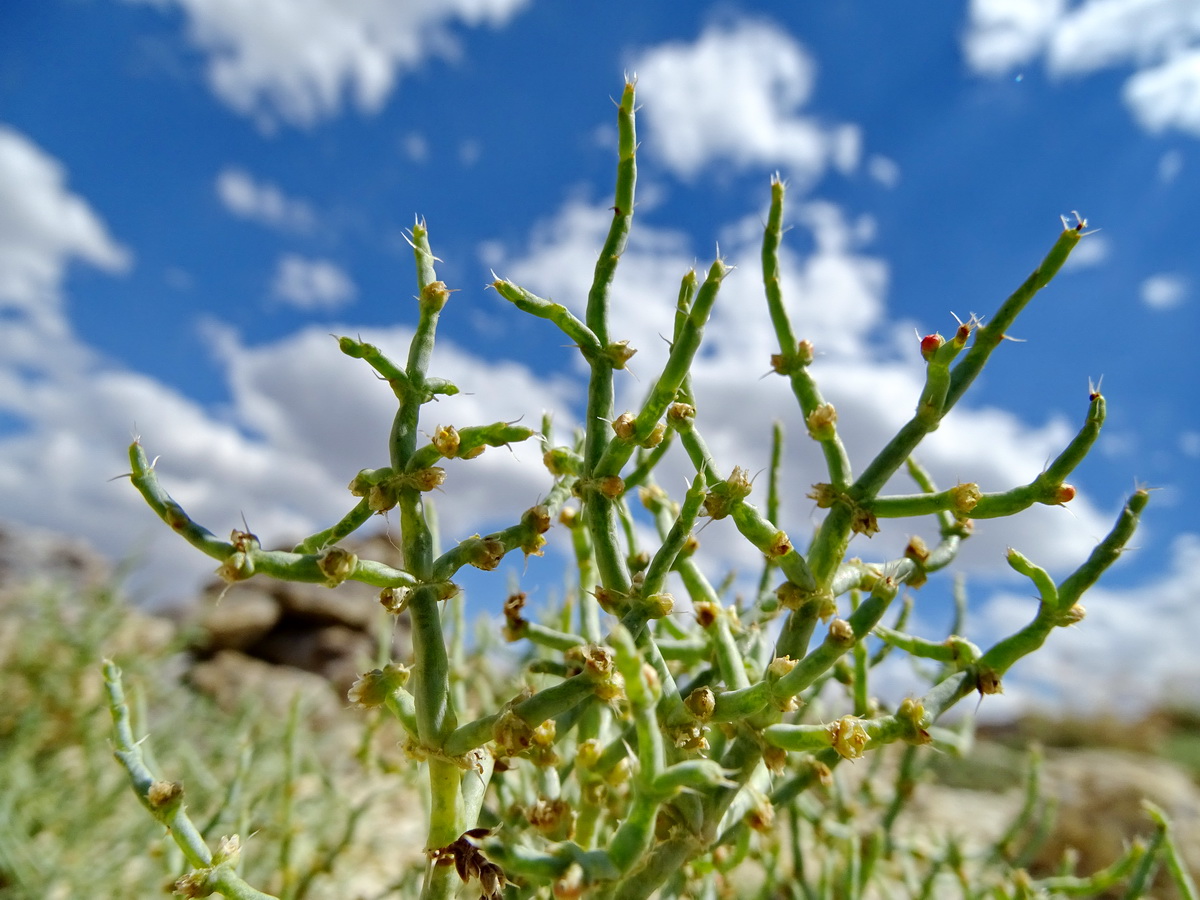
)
(194, 194)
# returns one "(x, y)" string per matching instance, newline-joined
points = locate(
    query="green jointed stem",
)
(683, 303)
(349, 524)
(647, 461)
(773, 477)
(642, 701)
(169, 511)
(1047, 488)
(523, 300)
(446, 810)
(598, 508)
(954, 651)
(698, 587)
(252, 560)
(392, 373)
(664, 559)
(773, 543)
(545, 704)
(469, 442)
(600, 393)
(989, 335)
(403, 706)
(551, 638)
(372, 355)
(1100, 883)
(169, 809)
(832, 539)
(987, 338)
(772, 239)
(659, 785)
(1047, 589)
(729, 656)
(165, 802)
(862, 699)
(666, 388)
(1001, 657)
(741, 703)
(839, 639)
(618, 233)
(1147, 867)
(1080, 445)
(432, 297)
(486, 552)
(1171, 854)
(1106, 552)
(696, 449)
(430, 681)
(794, 358)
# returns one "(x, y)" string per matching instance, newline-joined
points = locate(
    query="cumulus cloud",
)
(836, 296)
(734, 96)
(415, 146)
(44, 227)
(262, 202)
(311, 284)
(1092, 252)
(297, 62)
(884, 170)
(1100, 34)
(1160, 39)
(1164, 291)
(301, 420)
(1004, 34)
(1170, 164)
(1168, 95)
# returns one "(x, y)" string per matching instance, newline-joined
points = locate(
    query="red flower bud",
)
(930, 344)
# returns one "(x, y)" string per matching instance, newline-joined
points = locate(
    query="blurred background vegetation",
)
(328, 808)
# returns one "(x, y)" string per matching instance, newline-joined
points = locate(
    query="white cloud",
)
(469, 152)
(262, 202)
(836, 298)
(415, 147)
(1088, 253)
(734, 96)
(1164, 291)
(1168, 95)
(1100, 34)
(312, 284)
(1160, 39)
(296, 61)
(44, 227)
(302, 420)
(884, 170)
(1005, 34)
(1169, 166)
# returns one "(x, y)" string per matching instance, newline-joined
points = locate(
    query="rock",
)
(240, 622)
(37, 556)
(331, 632)
(335, 652)
(231, 678)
